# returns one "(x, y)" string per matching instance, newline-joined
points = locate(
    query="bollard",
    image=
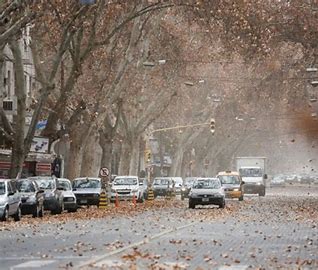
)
(151, 195)
(103, 200)
(116, 200)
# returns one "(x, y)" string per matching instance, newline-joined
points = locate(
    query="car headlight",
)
(235, 189)
(258, 183)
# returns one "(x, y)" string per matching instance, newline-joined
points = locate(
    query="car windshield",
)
(125, 181)
(46, 183)
(25, 186)
(2, 188)
(66, 185)
(229, 179)
(251, 172)
(86, 183)
(206, 184)
(163, 182)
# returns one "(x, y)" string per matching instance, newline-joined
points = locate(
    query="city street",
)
(277, 231)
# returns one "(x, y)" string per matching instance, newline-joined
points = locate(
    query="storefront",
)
(35, 164)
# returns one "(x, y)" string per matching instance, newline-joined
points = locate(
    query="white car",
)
(206, 191)
(178, 181)
(69, 197)
(125, 187)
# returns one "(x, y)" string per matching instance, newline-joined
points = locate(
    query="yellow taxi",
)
(232, 184)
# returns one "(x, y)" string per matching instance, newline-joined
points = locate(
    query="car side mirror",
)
(265, 176)
(41, 191)
(243, 182)
(10, 193)
(60, 188)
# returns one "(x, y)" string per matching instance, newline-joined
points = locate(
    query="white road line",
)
(38, 258)
(100, 259)
(33, 264)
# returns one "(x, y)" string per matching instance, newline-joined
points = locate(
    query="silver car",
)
(10, 201)
(87, 190)
(206, 191)
(69, 197)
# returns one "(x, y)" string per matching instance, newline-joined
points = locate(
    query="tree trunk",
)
(90, 161)
(177, 163)
(134, 158)
(75, 159)
(18, 154)
(124, 159)
(107, 151)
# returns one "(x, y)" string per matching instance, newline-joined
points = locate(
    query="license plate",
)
(205, 199)
(83, 201)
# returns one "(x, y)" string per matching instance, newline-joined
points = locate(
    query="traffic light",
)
(212, 125)
(147, 155)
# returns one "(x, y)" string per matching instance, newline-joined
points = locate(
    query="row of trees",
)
(89, 62)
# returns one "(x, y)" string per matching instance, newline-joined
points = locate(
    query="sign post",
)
(104, 175)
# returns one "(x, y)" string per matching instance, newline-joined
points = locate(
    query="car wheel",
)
(36, 211)
(41, 212)
(262, 193)
(191, 204)
(5, 216)
(222, 205)
(241, 198)
(17, 215)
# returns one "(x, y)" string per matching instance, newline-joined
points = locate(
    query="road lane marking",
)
(100, 259)
(33, 264)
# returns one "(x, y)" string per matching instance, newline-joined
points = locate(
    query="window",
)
(7, 105)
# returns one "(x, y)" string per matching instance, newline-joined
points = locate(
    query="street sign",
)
(104, 172)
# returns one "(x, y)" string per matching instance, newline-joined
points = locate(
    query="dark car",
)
(10, 201)
(32, 197)
(162, 186)
(87, 190)
(53, 194)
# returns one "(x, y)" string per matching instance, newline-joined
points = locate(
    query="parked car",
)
(186, 186)
(125, 187)
(162, 186)
(68, 195)
(177, 184)
(53, 195)
(232, 184)
(10, 201)
(32, 197)
(207, 191)
(87, 190)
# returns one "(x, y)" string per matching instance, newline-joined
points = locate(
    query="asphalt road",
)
(278, 231)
